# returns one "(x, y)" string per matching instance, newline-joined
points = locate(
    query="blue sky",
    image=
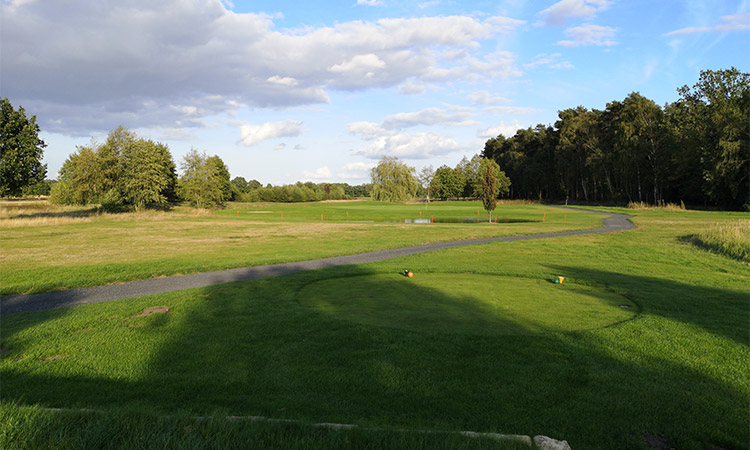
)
(287, 91)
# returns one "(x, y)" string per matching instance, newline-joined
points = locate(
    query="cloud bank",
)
(255, 134)
(92, 65)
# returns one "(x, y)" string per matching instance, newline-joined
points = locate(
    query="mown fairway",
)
(43, 249)
(320, 347)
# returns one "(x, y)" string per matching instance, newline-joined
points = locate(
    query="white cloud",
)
(485, 98)
(430, 4)
(506, 130)
(589, 34)
(411, 88)
(562, 65)
(359, 72)
(300, 147)
(355, 171)
(281, 146)
(129, 66)
(359, 64)
(284, 81)
(509, 110)
(175, 134)
(735, 22)
(386, 142)
(552, 61)
(559, 13)
(255, 134)
(370, 2)
(454, 116)
(495, 65)
(455, 54)
(321, 173)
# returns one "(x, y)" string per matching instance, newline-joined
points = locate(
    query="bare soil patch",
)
(53, 358)
(149, 311)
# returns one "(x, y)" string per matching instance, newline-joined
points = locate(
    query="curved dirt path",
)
(81, 296)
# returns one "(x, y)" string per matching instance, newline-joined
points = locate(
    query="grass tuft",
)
(661, 206)
(730, 239)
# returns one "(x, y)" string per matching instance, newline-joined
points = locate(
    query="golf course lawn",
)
(45, 248)
(647, 340)
(467, 303)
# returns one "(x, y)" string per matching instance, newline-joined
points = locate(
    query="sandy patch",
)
(150, 311)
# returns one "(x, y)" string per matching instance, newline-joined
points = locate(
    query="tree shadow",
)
(77, 214)
(718, 311)
(251, 348)
(714, 247)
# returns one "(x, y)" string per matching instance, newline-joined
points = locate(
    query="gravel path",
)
(72, 297)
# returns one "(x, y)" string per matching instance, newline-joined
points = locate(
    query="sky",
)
(286, 91)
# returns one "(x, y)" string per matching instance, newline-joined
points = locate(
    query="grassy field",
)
(726, 238)
(457, 347)
(45, 248)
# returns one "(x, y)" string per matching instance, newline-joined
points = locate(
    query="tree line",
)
(131, 172)
(254, 191)
(695, 150)
(393, 181)
(463, 181)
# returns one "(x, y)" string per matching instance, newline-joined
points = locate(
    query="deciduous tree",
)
(204, 181)
(425, 179)
(21, 151)
(492, 182)
(721, 99)
(125, 170)
(393, 181)
(447, 183)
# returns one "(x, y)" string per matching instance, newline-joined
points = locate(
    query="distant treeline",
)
(695, 150)
(127, 172)
(254, 191)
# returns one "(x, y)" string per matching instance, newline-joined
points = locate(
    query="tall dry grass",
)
(731, 239)
(661, 205)
(39, 212)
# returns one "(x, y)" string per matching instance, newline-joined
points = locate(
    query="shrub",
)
(112, 202)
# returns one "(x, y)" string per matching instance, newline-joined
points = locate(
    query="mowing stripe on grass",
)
(81, 296)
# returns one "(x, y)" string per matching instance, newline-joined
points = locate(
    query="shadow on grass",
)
(252, 349)
(39, 211)
(77, 214)
(718, 311)
(736, 254)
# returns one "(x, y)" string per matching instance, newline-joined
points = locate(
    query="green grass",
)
(32, 428)
(44, 249)
(678, 369)
(466, 303)
(731, 239)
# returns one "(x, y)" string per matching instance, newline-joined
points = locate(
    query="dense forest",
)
(695, 150)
